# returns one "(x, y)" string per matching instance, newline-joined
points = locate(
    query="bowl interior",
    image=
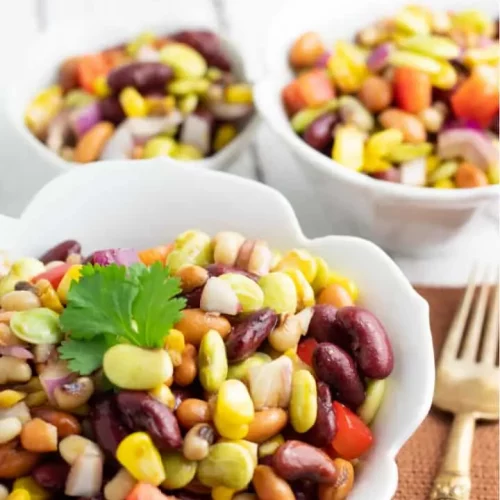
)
(123, 205)
(48, 53)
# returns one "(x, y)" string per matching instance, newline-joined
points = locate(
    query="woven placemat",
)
(419, 460)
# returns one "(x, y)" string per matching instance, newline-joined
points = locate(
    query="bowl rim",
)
(121, 29)
(266, 88)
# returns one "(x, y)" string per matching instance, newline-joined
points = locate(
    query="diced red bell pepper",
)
(412, 89)
(292, 98)
(477, 97)
(305, 350)
(54, 275)
(144, 491)
(353, 437)
(89, 68)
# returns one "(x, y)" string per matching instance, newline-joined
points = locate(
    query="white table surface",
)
(267, 160)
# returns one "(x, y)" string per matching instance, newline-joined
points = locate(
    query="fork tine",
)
(452, 343)
(490, 342)
(473, 333)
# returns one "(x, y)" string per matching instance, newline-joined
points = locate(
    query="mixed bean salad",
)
(413, 99)
(175, 96)
(205, 368)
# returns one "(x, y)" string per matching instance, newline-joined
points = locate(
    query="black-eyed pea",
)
(197, 442)
(74, 394)
(14, 370)
(19, 300)
(292, 327)
(179, 471)
(120, 486)
(91, 144)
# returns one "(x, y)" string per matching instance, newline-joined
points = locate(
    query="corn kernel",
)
(445, 171)
(493, 174)
(472, 21)
(159, 106)
(348, 147)
(301, 260)
(432, 163)
(239, 93)
(379, 144)
(188, 103)
(188, 86)
(234, 404)
(413, 22)
(444, 184)
(446, 78)
(48, 296)
(146, 38)
(101, 87)
(224, 134)
(164, 395)
(175, 340)
(373, 165)
(305, 293)
(214, 74)
(43, 108)
(72, 274)
(132, 102)
(270, 446)
(222, 493)
(35, 491)
(186, 152)
(139, 456)
(230, 431)
(20, 494)
(347, 66)
(9, 398)
(348, 284)
(158, 146)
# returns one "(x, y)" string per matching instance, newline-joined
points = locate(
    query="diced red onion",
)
(85, 476)
(54, 376)
(120, 256)
(473, 146)
(229, 111)
(196, 131)
(462, 123)
(58, 131)
(16, 351)
(379, 57)
(83, 119)
(146, 53)
(322, 60)
(413, 172)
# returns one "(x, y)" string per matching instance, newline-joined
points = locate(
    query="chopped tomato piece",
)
(305, 350)
(477, 97)
(316, 87)
(353, 437)
(292, 98)
(144, 491)
(412, 89)
(54, 275)
(155, 254)
(89, 68)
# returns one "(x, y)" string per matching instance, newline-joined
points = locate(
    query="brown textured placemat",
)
(419, 460)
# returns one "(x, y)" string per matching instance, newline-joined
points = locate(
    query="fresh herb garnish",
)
(114, 304)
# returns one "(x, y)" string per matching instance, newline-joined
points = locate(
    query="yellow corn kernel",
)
(159, 146)
(48, 296)
(20, 494)
(380, 144)
(37, 398)
(347, 66)
(164, 395)
(188, 103)
(43, 108)
(234, 405)
(270, 446)
(444, 184)
(301, 260)
(9, 398)
(230, 431)
(432, 163)
(35, 491)
(348, 147)
(186, 152)
(139, 456)
(239, 93)
(305, 293)
(224, 134)
(472, 21)
(187, 86)
(214, 74)
(446, 78)
(145, 38)
(132, 102)
(493, 174)
(175, 340)
(101, 87)
(348, 284)
(159, 106)
(373, 165)
(72, 274)
(222, 493)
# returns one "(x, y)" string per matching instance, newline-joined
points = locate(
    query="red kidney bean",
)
(391, 175)
(295, 460)
(246, 337)
(142, 412)
(323, 430)
(107, 427)
(335, 367)
(266, 460)
(61, 251)
(111, 110)
(319, 133)
(144, 76)
(369, 341)
(52, 475)
(218, 269)
(193, 298)
(305, 490)
(208, 44)
(321, 323)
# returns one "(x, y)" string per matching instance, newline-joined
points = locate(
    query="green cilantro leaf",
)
(155, 309)
(101, 302)
(84, 356)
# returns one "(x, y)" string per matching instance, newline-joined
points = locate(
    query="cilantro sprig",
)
(115, 304)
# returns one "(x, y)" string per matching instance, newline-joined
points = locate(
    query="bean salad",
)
(413, 99)
(209, 367)
(177, 96)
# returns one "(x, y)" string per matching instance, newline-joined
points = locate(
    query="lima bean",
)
(212, 361)
(37, 326)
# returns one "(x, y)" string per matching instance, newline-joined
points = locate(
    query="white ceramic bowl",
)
(401, 219)
(49, 50)
(126, 204)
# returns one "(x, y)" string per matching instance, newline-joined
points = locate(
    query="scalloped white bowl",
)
(131, 205)
(402, 219)
(46, 54)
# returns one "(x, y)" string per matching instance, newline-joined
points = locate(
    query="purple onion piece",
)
(379, 57)
(120, 256)
(83, 119)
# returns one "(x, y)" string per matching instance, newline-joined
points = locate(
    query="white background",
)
(245, 21)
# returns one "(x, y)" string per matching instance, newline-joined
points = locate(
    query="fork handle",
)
(453, 480)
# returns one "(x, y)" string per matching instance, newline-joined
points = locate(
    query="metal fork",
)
(467, 384)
